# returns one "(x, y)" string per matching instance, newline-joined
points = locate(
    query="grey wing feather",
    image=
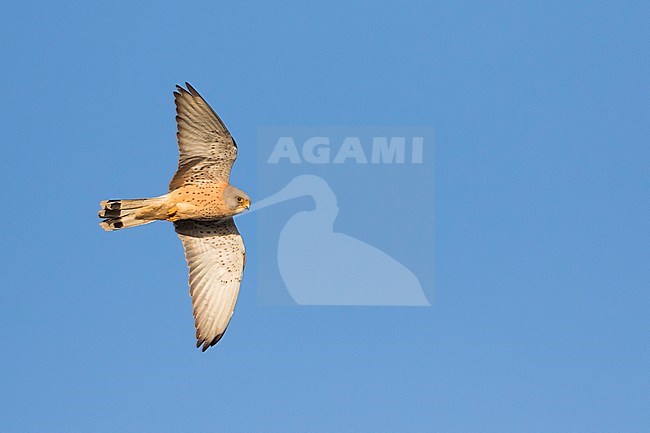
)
(207, 150)
(215, 255)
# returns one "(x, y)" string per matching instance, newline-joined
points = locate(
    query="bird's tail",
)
(120, 214)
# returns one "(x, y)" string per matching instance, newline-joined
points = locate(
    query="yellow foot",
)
(171, 214)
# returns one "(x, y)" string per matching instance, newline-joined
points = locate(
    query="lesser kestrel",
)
(201, 203)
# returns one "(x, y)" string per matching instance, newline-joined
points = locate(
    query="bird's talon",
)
(171, 214)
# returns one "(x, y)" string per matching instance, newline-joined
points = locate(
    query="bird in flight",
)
(201, 203)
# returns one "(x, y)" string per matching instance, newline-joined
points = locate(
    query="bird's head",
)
(236, 199)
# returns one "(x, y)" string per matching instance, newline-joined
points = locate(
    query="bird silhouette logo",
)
(322, 267)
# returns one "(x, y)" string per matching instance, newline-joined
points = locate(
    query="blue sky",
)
(540, 316)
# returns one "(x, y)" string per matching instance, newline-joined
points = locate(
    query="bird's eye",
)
(240, 199)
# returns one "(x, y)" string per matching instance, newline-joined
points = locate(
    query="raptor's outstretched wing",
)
(215, 255)
(207, 150)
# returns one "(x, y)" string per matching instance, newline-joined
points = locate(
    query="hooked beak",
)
(247, 204)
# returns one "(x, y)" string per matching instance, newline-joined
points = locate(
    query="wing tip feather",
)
(188, 89)
(208, 343)
(191, 89)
